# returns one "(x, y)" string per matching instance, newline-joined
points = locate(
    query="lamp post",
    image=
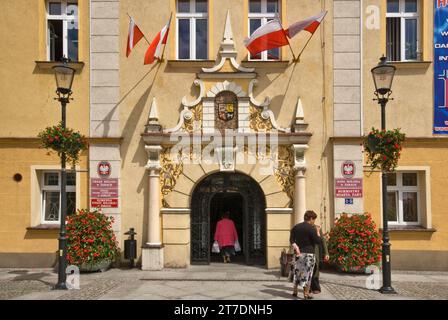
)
(64, 79)
(383, 76)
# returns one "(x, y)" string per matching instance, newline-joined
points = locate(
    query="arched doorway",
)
(243, 197)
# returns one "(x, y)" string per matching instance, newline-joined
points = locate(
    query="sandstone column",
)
(299, 195)
(152, 251)
(154, 207)
(299, 182)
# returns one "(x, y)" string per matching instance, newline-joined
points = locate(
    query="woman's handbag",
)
(237, 246)
(215, 247)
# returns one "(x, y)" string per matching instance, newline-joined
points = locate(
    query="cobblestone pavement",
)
(356, 290)
(212, 282)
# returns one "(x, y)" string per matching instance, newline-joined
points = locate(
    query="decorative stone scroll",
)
(257, 122)
(284, 170)
(193, 123)
(283, 167)
(262, 118)
(169, 173)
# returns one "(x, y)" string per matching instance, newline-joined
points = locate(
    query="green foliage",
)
(63, 140)
(386, 149)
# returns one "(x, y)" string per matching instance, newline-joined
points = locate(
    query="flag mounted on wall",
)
(134, 36)
(269, 36)
(311, 24)
(155, 48)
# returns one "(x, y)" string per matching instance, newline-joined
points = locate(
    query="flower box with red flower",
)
(92, 245)
(354, 243)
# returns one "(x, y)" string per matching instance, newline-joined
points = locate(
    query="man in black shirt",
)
(303, 239)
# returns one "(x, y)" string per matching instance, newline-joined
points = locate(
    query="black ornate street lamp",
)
(383, 76)
(64, 79)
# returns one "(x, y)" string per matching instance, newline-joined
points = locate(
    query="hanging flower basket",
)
(373, 143)
(383, 148)
(62, 140)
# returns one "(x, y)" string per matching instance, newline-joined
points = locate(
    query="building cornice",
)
(206, 138)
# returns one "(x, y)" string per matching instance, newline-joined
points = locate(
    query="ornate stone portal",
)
(225, 110)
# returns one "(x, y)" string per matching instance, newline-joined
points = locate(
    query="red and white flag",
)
(310, 25)
(155, 48)
(134, 36)
(269, 36)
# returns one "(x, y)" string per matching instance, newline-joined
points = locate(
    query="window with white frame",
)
(62, 30)
(260, 13)
(192, 29)
(51, 196)
(403, 30)
(403, 198)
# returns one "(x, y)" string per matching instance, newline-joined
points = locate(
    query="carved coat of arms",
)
(226, 111)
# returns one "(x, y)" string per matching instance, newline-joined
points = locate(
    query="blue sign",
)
(348, 201)
(440, 67)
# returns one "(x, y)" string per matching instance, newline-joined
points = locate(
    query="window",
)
(260, 13)
(51, 196)
(62, 30)
(192, 29)
(403, 198)
(403, 30)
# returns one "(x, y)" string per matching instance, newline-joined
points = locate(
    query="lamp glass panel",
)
(383, 77)
(64, 77)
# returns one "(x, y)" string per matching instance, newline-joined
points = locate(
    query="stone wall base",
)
(419, 260)
(28, 260)
(152, 257)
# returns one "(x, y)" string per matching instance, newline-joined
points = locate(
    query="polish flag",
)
(134, 36)
(268, 36)
(155, 48)
(310, 25)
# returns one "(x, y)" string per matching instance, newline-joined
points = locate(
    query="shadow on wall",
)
(136, 113)
(328, 153)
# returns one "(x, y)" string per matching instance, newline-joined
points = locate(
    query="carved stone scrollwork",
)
(190, 104)
(257, 122)
(153, 163)
(193, 120)
(170, 171)
(299, 156)
(284, 170)
(283, 166)
(255, 102)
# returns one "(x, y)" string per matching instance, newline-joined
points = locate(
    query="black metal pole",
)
(62, 276)
(387, 277)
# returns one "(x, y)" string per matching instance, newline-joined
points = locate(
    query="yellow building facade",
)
(161, 129)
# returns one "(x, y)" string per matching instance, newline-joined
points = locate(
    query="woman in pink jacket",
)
(226, 236)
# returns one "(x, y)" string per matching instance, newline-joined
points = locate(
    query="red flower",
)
(83, 229)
